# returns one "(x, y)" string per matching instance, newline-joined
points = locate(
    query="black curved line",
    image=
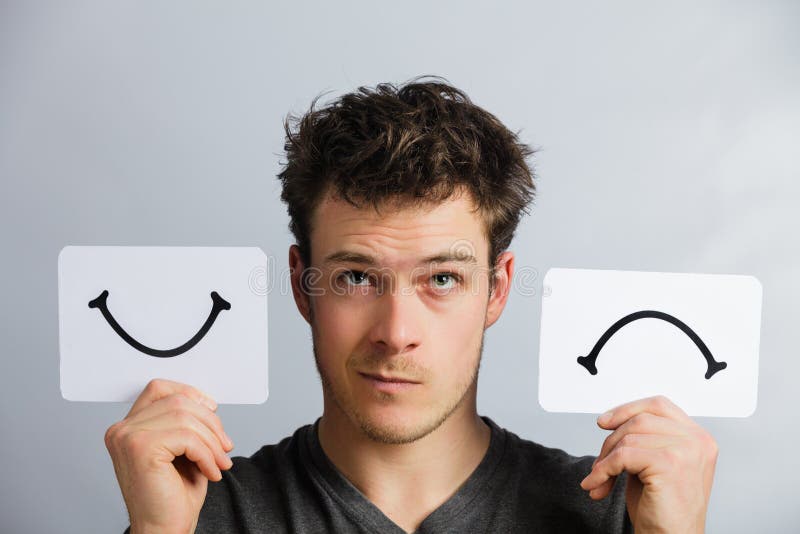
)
(219, 305)
(589, 362)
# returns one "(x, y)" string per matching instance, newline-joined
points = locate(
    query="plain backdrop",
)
(668, 141)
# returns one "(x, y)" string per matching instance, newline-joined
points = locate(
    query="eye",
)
(354, 278)
(445, 281)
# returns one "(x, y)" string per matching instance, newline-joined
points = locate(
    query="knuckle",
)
(136, 442)
(661, 401)
(628, 440)
(710, 446)
(182, 418)
(189, 438)
(177, 401)
(193, 393)
(156, 385)
(621, 453)
(639, 421)
(111, 434)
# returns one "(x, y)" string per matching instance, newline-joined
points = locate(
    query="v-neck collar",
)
(454, 512)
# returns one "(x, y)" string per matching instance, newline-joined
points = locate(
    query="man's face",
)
(398, 309)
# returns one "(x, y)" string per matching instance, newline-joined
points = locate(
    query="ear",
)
(301, 296)
(503, 273)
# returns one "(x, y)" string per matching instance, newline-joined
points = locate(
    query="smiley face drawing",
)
(589, 361)
(218, 305)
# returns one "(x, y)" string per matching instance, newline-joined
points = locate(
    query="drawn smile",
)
(589, 361)
(219, 304)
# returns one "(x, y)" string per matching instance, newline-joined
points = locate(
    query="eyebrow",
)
(346, 256)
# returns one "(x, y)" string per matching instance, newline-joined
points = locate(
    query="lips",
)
(389, 384)
(390, 379)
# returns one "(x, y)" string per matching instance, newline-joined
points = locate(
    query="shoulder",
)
(269, 459)
(540, 458)
(549, 459)
(257, 489)
(551, 477)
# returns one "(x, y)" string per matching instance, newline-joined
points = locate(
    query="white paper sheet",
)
(168, 324)
(652, 352)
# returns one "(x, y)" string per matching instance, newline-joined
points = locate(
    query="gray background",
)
(668, 136)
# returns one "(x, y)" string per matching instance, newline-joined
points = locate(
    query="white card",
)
(196, 315)
(691, 337)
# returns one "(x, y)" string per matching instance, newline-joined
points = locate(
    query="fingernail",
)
(605, 418)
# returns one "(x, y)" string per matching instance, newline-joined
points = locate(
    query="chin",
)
(398, 424)
(394, 433)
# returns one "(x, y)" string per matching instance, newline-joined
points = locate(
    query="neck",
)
(407, 481)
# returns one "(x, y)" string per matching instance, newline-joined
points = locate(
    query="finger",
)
(658, 405)
(186, 421)
(643, 423)
(178, 402)
(602, 491)
(189, 444)
(159, 388)
(596, 492)
(642, 441)
(634, 460)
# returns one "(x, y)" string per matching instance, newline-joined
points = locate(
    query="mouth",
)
(389, 383)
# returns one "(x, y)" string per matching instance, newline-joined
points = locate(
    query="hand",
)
(165, 451)
(672, 458)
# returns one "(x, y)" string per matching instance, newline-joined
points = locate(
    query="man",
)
(403, 201)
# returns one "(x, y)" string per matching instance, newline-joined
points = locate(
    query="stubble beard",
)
(394, 435)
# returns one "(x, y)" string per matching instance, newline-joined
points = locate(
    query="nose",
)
(398, 322)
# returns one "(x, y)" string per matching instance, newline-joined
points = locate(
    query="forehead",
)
(398, 234)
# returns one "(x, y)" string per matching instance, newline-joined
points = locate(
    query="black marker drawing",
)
(219, 305)
(589, 361)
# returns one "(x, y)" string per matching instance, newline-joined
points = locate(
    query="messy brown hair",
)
(417, 142)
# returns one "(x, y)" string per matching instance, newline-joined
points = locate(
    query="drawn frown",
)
(589, 361)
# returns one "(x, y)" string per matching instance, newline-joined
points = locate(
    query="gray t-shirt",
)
(519, 486)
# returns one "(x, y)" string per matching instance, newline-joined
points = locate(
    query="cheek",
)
(337, 328)
(456, 337)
